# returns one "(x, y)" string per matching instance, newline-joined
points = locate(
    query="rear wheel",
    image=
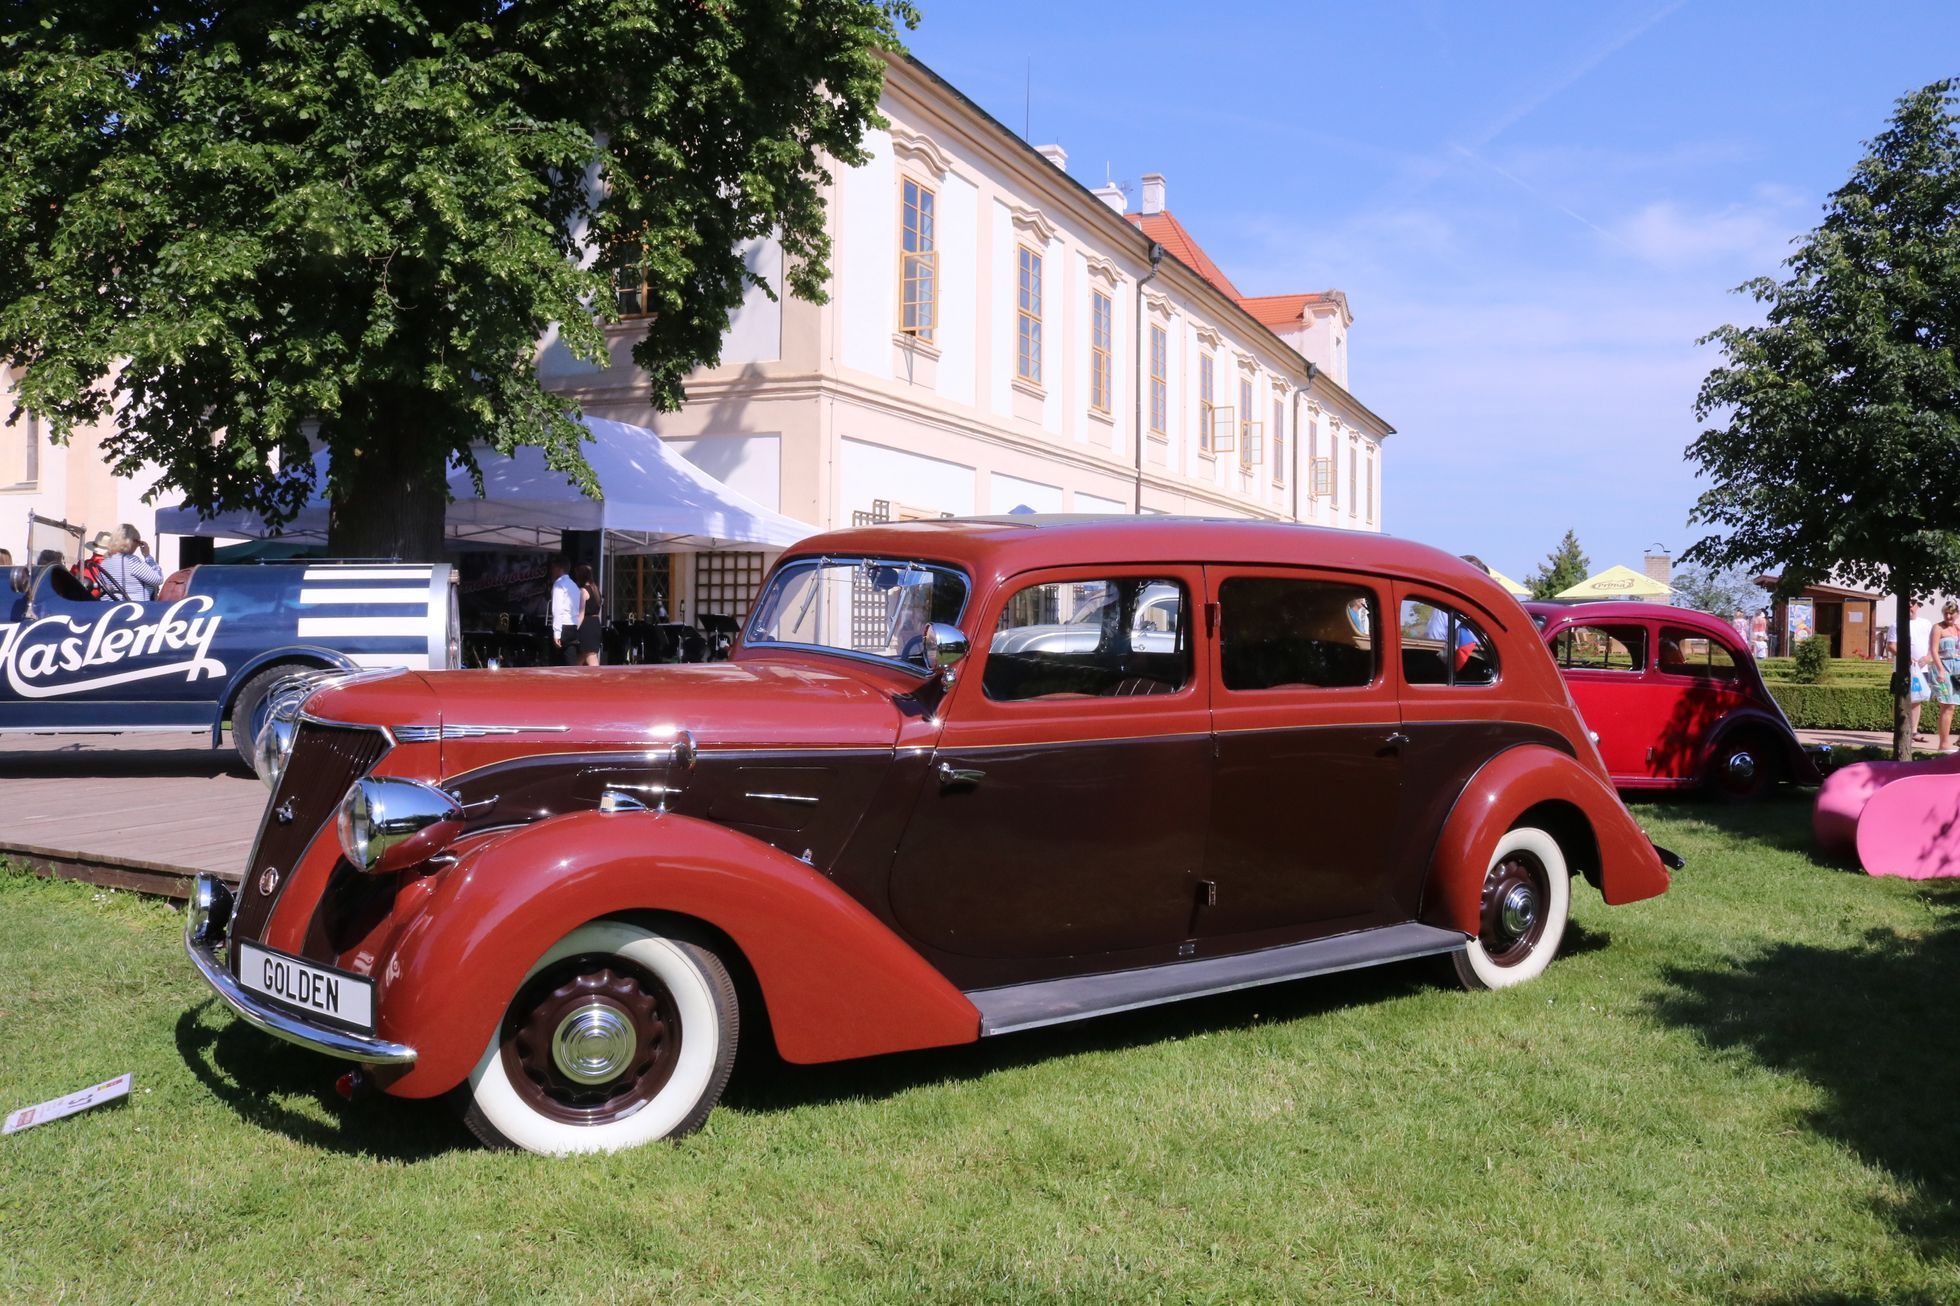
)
(1743, 768)
(1521, 919)
(618, 1036)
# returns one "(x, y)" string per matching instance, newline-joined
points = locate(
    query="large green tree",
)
(1563, 568)
(232, 223)
(1837, 448)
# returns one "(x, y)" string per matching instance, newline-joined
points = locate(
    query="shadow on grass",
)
(1873, 1026)
(763, 1082)
(1780, 822)
(256, 1075)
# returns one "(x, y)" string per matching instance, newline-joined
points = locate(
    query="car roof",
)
(997, 547)
(1629, 610)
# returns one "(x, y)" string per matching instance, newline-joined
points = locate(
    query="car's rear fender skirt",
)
(836, 981)
(1533, 784)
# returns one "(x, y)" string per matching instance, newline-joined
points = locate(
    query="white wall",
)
(755, 330)
(867, 472)
(866, 231)
(1002, 322)
(750, 464)
(959, 287)
(1011, 492)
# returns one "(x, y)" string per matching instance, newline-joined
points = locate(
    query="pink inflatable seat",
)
(1893, 818)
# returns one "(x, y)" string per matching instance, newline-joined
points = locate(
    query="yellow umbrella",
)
(1509, 584)
(1617, 583)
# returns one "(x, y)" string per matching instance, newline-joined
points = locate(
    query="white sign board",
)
(29, 1116)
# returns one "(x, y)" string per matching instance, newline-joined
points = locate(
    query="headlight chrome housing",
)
(388, 824)
(274, 746)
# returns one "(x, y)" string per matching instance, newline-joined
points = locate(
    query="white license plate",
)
(346, 1000)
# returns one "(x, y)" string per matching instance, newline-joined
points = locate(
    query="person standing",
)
(133, 574)
(566, 604)
(588, 625)
(1919, 636)
(1942, 663)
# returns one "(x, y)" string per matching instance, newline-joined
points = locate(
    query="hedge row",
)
(1852, 670)
(1841, 707)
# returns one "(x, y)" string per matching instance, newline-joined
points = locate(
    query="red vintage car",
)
(1673, 698)
(1182, 757)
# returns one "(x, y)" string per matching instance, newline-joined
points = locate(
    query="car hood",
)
(755, 704)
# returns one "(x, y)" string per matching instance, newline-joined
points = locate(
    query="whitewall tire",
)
(1527, 897)
(618, 1036)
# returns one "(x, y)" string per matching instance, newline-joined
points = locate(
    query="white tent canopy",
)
(655, 501)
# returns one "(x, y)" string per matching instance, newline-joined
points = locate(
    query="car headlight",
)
(274, 746)
(388, 825)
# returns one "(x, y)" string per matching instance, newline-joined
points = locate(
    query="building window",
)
(1279, 441)
(1101, 311)
(1333, 471)
(1205, 404)
(1027, 355)
(1371, 487)
(1160, 388)
(1354, 479)
(918, 263)
(629, 276)
(725, 584)
(1251, 438)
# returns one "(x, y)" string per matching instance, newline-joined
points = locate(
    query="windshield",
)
(879, 607)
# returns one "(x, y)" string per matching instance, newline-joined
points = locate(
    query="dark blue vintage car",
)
(211, 644)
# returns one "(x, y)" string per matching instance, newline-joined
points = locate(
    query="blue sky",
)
(1535, 208)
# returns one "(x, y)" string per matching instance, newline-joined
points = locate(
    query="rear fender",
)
(1504, 790)
(836, 981)
(312, 656)
(1796, 763)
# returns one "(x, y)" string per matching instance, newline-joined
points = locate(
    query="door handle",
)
(958, 777)
(1396, 739)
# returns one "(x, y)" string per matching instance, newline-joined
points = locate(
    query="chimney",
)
(1112, 195)
(1153, 193)
(1660, 567)
(1055, 154)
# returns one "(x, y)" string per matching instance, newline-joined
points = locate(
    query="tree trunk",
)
(1905, 712)
(389, 501)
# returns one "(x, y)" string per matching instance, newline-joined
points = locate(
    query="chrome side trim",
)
(262, 1015)
(428, 734)
(786, 798)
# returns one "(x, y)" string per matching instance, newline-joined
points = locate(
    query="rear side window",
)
(1124, 638)
(1601, 648)
(1277, 633)
(1685, 653)
(1441, 646)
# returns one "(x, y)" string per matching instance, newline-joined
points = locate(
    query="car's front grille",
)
(326, 760)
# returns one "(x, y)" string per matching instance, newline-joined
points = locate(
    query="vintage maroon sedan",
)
(1252, 753)
(1673, 698)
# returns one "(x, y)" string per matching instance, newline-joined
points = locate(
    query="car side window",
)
(1122, 638)
(1684, 653)
(1441, 646)
(1601, 648)
(1280, 633)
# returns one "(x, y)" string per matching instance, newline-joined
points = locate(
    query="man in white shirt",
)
(565, 603)
(1920, 630)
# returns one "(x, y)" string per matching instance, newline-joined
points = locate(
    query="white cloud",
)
(1757, 233)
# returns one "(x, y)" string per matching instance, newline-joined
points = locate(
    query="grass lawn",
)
(1744, 1090)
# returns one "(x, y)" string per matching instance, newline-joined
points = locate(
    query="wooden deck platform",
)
(142, 811)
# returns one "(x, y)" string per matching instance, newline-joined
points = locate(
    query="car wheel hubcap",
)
(591, 1039)
(1513, 913)
(593, 1044)
(1742, 767)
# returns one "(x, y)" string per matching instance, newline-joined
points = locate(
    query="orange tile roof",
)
(1170, 233)
(1278, 311)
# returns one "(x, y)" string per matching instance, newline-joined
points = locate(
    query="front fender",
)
(1502, 791)
(837, 982)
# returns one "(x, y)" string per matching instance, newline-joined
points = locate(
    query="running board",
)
(1051, 1002)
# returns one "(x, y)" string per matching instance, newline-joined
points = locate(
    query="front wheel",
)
(1521, 919)
(618, 1036)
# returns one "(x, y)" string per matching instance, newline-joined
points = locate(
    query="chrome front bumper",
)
(204, 932)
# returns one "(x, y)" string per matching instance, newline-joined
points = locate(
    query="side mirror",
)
(944, 646)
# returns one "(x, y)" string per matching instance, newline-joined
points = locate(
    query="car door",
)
(1064, 812)
(1605, 665)
(1305, 788)
(1696, 686)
